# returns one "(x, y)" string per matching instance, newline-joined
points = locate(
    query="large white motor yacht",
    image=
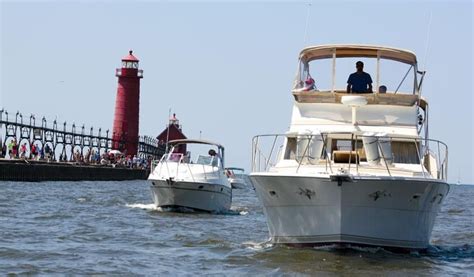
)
(199, 183)
(353, 169)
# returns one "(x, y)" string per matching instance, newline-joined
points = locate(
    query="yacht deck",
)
(372, 98)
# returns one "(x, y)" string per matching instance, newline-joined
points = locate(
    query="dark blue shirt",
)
(359, 81)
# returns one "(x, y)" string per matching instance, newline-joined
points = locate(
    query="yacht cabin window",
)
(344, 149)
(290, 149)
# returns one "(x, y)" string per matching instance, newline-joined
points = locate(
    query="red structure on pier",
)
(173, 131)
(125, 132)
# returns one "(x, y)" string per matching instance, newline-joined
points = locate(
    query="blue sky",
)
(227, 68)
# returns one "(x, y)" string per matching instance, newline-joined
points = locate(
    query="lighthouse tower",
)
(125, 132)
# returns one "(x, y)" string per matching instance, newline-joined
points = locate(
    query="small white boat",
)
(354, 169)
(179, 180)
(237, 177)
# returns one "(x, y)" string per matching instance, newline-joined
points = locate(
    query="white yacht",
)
(180, 180)
(353, 169)
(237, 177)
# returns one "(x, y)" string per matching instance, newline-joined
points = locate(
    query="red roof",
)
(173, 133)
(130, 57)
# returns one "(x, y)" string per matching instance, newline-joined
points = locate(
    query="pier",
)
(71, 152)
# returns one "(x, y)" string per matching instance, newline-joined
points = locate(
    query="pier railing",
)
(348, 153)
(64, 140)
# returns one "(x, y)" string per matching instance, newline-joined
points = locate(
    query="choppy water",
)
(112, 228)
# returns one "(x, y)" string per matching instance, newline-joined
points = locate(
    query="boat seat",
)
(343, 156)
(361, 154)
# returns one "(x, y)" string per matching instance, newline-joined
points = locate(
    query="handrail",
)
(419, 158)
(182, 162)
(328, 160)
(304, 152)
(271, 151)
(383, 157)
(190, 171)
(258, 152)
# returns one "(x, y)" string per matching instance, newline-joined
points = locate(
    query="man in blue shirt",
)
(359, 81)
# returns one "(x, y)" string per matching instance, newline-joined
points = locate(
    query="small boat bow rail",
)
(205, 166)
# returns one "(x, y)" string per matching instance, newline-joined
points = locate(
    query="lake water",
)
(112, 228)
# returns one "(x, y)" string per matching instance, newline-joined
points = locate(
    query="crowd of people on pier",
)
(13, 150)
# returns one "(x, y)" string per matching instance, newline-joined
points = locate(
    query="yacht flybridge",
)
(353, 168)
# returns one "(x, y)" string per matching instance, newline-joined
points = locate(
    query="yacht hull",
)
(195, 195)
(391, 212)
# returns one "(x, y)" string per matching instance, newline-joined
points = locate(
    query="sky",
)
(225, 68)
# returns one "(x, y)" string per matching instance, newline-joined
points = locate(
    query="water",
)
(112, 228)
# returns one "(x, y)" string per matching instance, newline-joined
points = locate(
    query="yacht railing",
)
(295, 151)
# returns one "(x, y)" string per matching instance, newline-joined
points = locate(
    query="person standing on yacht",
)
(359, 81)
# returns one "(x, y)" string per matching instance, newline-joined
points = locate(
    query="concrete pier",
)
(36, 171)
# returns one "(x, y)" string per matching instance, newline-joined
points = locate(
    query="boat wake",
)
(465, 251)
(152, 207)
(149, 207)
(236, 211)
(258, 245)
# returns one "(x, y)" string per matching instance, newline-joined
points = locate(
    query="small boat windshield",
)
(196, 153)
(199, 159)
(207, 160)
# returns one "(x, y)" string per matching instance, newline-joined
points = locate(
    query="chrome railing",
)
(430, 155)
(179, 160)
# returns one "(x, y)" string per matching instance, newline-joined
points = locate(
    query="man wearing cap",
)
(359, 81)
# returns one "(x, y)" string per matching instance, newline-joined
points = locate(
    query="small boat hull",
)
(391, 212)
(195, 195)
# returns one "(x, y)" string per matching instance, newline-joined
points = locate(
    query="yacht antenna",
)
(425, 61)
(427, 49)
(168, 131)
(307, 23)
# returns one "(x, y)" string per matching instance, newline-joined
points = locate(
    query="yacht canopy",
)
(349, 51)
(196, 141)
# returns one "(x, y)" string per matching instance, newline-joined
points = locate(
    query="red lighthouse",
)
(125, 132)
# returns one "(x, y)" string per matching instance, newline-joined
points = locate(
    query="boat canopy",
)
(196, 141)
(351, 51)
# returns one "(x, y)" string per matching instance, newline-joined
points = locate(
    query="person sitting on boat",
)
(382, 89)
(309, 84)
(359, 81)
(214, 157)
